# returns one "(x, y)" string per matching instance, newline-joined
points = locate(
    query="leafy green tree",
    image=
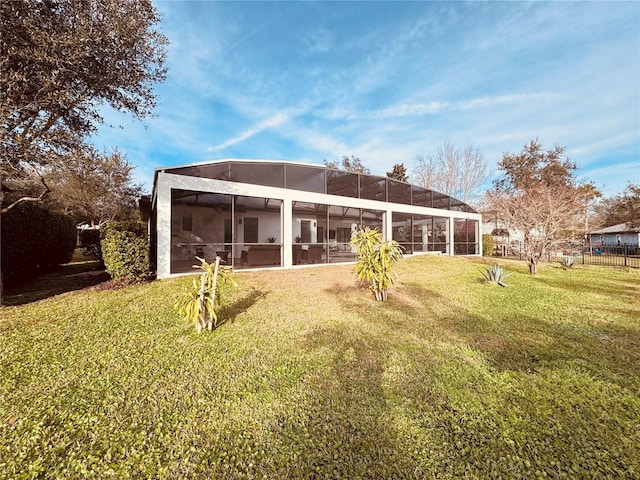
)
(60, 62)
(96, 187)
(399, 172)
(623, 208)
(538, 194)
(376, 260)
(353, 165)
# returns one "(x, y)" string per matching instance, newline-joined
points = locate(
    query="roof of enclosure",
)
(319, 179)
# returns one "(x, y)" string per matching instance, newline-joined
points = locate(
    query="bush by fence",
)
(125, 250)
(34, 240)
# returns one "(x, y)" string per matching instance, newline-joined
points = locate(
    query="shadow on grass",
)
(516, 342)
(70, 277)
(228, 313)
(605, 286)
(520, 343)
(348, 412)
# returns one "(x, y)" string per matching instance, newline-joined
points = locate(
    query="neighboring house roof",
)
(500, 232)
(619, 228)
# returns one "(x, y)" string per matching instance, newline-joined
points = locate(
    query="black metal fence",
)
(584, 254)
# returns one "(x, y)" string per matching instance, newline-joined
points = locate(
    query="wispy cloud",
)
(272, 122)
(387, 82)
(403, 110)
(319, 40)
(432, 108)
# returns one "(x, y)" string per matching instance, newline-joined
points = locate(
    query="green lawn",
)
(311, 378)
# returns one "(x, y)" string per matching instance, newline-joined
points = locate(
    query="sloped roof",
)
(619, 228)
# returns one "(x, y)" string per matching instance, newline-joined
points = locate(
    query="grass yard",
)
(311, 378)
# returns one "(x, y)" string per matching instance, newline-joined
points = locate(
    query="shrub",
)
(200, 302)
(34, 240)
(495, 274)
(90, 243)
(62, 241)
(125, 250)
(566, 262)
(375, 260)
(487, 244)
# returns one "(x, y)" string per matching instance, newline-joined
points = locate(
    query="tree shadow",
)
(605, 286)
(524, 343)
(353, 406)
(347, 410)
(229, 312)
(68, 278)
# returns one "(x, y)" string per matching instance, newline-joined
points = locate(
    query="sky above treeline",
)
(388, 81)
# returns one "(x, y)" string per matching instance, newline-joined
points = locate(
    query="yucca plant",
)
(566, 262)
(375, 260)
(200, 302)
(495, 274)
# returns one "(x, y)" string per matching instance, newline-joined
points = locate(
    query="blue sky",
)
(387, 81)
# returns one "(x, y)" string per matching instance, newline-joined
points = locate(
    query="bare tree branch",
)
(452, 171)
(39, 198)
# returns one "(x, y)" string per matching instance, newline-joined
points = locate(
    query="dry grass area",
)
(311, 378)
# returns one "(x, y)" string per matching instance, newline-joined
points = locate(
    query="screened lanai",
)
(274, 214)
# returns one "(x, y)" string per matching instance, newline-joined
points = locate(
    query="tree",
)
(538, 195)
(588, 193)
(457, 172)
(623, 208)
(96, 187)
(60, 61)
(353, 165)
(399, 172)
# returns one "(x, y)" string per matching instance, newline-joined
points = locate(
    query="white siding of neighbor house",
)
(630, 239)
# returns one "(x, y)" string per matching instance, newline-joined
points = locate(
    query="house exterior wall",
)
(631, 239)
(285, 225)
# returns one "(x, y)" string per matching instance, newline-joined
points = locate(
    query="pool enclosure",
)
(260, 213)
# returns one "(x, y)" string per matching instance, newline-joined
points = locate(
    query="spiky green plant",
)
(200, 302)
(495, 274)
(566, 262)
(375, 260)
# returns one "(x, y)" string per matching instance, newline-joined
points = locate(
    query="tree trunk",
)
(200, 322)
(533, 266)
(213, 291)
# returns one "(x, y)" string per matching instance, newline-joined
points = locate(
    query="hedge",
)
(35, 240)
(125, 250)
(89, 240)
(487, 245)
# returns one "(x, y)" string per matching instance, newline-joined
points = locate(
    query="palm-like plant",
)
(566, 262)
(201, 300)
(375, 260)
(495, 274)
